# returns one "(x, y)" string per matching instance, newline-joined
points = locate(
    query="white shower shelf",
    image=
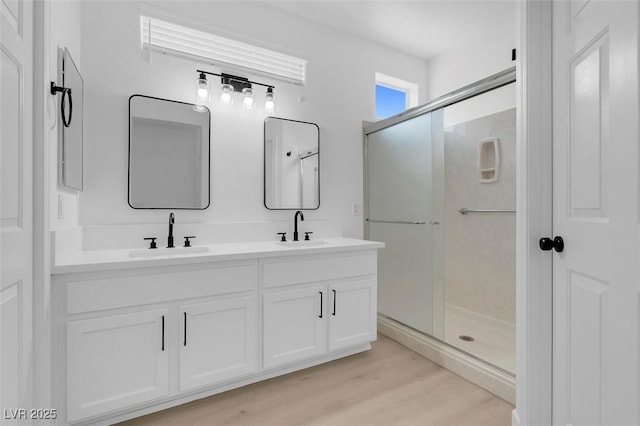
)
(488, 160)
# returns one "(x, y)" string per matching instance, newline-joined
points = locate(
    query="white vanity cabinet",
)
(317, 305)
(115, 361)
(311, 320)
(218, 341)
(125, 333)
(295, 324)
(133, 340)
(352, 312)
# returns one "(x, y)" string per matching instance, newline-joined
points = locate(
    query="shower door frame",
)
(494, 81)
(533, 204)
(488, 84)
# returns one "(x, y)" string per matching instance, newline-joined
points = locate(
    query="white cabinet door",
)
(218, 341)
(352, 313)
(116, 361)
(295, 324)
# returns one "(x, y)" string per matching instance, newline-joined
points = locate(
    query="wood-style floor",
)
(388, 385)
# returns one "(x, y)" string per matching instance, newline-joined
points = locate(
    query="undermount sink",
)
(168, 251)
(311, 243)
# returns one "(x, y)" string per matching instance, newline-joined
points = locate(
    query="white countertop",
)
(105, 260)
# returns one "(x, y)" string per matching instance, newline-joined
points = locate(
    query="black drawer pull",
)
(335, 296)
(163, 333)
(320, 316)
(185, 329)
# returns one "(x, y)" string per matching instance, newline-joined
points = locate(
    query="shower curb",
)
(470, 368)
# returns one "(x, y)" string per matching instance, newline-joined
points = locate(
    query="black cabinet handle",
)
(185, 330)
(163, 333)
(335, 296)
(320, 316)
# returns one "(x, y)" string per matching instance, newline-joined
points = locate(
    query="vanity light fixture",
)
(229, 84)
(203, 93)
(270, 102)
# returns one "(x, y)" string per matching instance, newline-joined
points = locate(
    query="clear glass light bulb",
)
(202, 94)
(269, 106)
(226, 98)
(270, 102)
(247, 103)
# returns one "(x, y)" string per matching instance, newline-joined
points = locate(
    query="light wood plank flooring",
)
(388, 385)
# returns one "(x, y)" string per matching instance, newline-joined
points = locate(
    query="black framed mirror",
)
(291, 164)
(169, 154)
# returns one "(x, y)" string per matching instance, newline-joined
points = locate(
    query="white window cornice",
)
(180, 40)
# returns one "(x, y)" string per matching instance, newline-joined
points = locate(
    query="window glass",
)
(389, 101)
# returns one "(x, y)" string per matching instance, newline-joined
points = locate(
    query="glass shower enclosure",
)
(440, 192)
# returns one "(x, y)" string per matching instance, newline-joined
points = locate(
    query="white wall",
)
(487, 53)
(65, 31)
(338, 96)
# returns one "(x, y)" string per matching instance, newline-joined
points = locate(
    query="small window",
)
(394, 96)
(389, 101)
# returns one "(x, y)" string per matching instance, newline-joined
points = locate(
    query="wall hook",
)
(66, 92)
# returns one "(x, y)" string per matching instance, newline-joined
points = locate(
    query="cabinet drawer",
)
(116, 292)
(317, 268)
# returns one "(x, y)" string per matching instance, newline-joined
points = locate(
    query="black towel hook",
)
(66, 92)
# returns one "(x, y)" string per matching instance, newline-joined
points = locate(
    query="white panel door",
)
(116, 361)
(352, 313)
(16, 120)
(295, 324)
(218, 341)
(595, 210)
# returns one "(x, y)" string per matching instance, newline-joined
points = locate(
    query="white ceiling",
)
(423, 28)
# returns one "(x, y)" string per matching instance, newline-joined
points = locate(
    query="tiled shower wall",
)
(480, 248)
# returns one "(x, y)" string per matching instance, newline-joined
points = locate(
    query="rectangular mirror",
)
(291, 164)
(169, 145)
(70, 125)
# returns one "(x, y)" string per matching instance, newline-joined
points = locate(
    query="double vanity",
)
(137, 331)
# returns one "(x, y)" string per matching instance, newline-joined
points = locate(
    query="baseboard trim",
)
(515, 418)
(466, 366)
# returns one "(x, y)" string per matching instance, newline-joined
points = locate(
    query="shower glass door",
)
(399, 213)
(440, 192)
